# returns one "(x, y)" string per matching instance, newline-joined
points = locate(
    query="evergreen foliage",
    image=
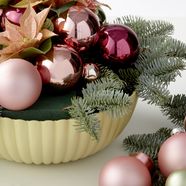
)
(160, 61)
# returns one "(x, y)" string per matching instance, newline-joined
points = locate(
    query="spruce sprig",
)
(104, 94)
(175, 109)
(144, 28)
(161, 60)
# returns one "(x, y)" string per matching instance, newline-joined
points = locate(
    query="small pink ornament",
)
(90, 71)
(126, 171)
(20, 84)
(172, 154)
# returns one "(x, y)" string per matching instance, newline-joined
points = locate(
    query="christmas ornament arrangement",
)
(69, 85)
(61, 95)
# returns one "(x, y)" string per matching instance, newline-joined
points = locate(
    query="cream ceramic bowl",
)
(53, 142)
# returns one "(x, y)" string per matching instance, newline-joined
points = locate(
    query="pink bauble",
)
(14, 14)
(125, 171)
(81, 23)
(20, 84)
(172, 154)
(64, 66)
(118, 44)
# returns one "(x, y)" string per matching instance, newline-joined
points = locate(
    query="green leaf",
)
(32, 51)
(64, 8)
(48, 25)
(46, 45)
(24, 3)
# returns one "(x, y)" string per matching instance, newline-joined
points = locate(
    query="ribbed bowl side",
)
(46, 142)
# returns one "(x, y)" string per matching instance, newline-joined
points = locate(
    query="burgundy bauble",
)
(125, 171)
(64, 65)
(81, 24)
(118, 44)
(172, 154)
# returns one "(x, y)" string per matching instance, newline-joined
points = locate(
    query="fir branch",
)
(151, 89)
(175, 109)
(176, 48)
(165, 68)
(86, 119)
(111, 81)
(130, 77)
(145, 29)
(114, 101)
(157, 178)
(104, 94)
(147, 143)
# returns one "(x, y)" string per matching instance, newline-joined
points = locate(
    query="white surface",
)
(145, 119)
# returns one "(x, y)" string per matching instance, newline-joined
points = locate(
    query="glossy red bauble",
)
(118, 44)
(61, 67)
(172, 154)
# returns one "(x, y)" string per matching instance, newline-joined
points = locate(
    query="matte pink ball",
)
(172, 154)
(20, 84)
(125, 171)
(118, 43)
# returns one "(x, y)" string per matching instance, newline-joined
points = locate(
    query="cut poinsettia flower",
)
(29, 34)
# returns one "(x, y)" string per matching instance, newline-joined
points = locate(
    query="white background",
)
(145, 119)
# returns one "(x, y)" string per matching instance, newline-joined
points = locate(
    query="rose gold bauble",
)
(90, 71)
(20, 84)
(125, 171)
(81, 25)
(172, 154)
(64, 66)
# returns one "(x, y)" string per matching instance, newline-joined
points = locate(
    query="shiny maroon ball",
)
(118, 44)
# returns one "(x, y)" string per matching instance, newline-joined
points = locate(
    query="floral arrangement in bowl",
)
(69, 79)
